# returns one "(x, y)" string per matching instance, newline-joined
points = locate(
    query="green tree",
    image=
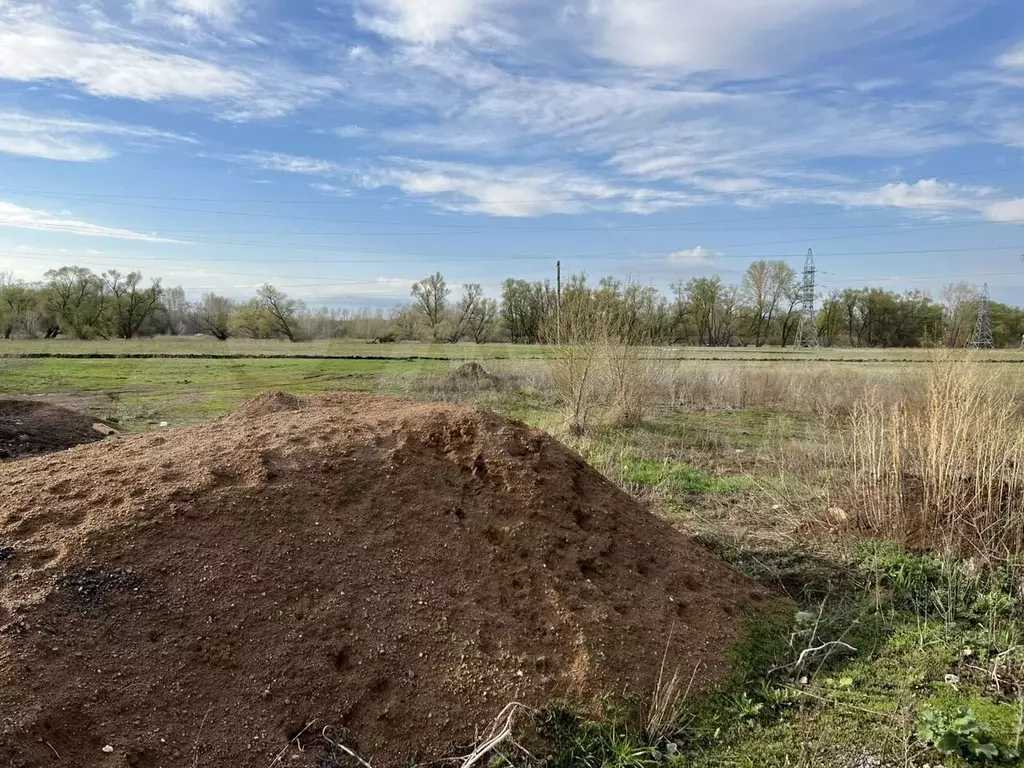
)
(77, 299)
(130, 305)
(280, 312)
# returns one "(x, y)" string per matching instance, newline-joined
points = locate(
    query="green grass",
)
(461, 351)
(679, 478)
(137, 392)
(913, 618)
(189, 345)
(850, 708)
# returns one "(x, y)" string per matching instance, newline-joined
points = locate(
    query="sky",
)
(343, 149)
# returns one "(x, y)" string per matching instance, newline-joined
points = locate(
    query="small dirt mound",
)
(28, 427)
(267, 404)
(474, 375)
(393, 572)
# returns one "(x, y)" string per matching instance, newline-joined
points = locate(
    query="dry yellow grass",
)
(943, 466)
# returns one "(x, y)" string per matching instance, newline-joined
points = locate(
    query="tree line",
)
(763, 308)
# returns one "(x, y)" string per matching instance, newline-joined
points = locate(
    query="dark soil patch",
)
(90, 584)
(396, 571)
(30, 428)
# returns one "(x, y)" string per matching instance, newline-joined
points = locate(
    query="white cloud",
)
(729, 185)
(1006, 210)
(188, 15)
(422, 21)
(927, 197)
(33, 52)
(1013, 58)
(53, 147)
(930, 195)
(349, 131)
(747, 37)
(877, 84)
(283, 163)
(106, 61)
(16, 216)
(696, 256)
(213, 9)
(333, 189)
(518, 191)
(70, 139)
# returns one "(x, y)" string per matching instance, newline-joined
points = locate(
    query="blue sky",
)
(343, 149)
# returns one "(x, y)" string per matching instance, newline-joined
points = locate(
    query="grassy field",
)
(899, 651)
(187, 345)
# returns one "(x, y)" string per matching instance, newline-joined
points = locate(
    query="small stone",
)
(108, 749)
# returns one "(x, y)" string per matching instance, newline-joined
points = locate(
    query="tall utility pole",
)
(807, 332)
(982, 338)
(558, 304)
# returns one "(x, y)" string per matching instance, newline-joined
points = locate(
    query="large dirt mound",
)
(398, 572)
(28, 427)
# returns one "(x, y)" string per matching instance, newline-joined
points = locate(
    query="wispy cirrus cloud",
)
(698, 256)
(20, 217)
(431, 21)
(73, 139)
(284, 163)
(930, 197)
(33, 52)
(97, 55)
(518, 191)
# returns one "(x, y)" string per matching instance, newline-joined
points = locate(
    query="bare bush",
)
(944, 467)
(634, 380)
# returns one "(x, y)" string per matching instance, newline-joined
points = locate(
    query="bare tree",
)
(280, 310)
(213, 315)
(483, 320)
(131, 305)
(960, 307)
(764, 285)
(404, 319)
(467, 307)
(431, 300)
(177, 310)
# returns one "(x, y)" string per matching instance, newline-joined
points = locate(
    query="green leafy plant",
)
(959, 733)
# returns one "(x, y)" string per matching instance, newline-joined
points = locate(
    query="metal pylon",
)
(982, 338)
(807, 332)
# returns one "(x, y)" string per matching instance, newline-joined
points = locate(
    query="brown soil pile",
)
(30, 428)
(395, 571)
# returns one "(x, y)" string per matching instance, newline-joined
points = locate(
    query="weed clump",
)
(944, 469)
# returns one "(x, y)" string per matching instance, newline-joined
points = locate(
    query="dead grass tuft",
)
(943, 468)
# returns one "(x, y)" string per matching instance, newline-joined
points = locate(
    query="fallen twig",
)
(295, 739)
(501, 730)
(799, 663)
(343, 748)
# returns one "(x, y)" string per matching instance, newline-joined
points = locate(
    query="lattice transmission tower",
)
(982, 338)
(807, 332)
